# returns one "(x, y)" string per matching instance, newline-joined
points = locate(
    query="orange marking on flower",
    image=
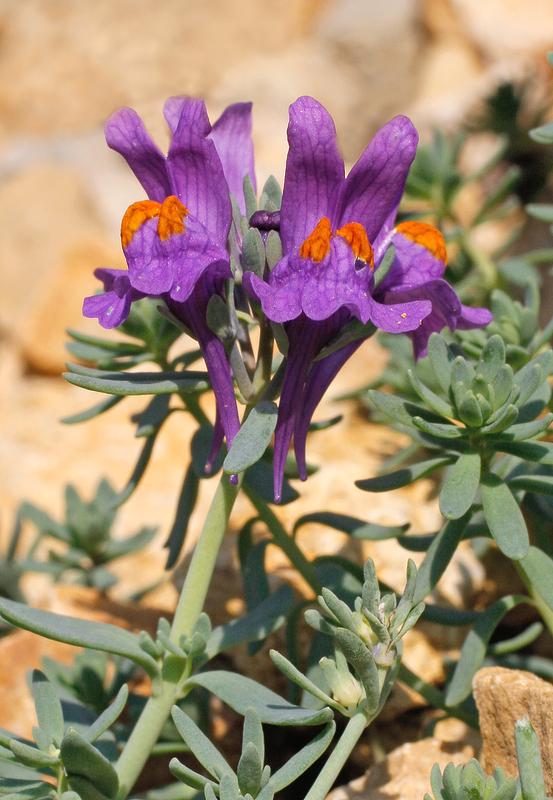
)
(356, 236)
(425, 235)
(317, 245)
(135, 216)
(171, 215)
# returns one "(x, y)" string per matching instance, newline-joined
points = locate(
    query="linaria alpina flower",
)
(335, 231)
(175, 242)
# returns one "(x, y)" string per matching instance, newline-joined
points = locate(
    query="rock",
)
(46, 211)
(114, 54)
(27, 650)
(59, 307)
(405, 772)
(504, 696)
(502, 28)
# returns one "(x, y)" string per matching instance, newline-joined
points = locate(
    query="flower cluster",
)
(344, 256)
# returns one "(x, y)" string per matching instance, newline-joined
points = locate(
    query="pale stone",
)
(504, 696)
(501, 28)
(405, 772)
(22, 651)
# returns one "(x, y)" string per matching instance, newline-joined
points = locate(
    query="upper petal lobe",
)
(314, 171)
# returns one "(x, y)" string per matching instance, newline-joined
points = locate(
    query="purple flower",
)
(419, 263)
(335, 231)
(175, 242)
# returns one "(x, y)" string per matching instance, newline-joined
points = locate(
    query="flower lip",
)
(170, 213)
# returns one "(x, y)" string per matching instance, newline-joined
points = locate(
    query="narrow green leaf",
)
(403, 477)
(253, 252)
(48, 707)
(460, 486)
(526, 430)
(189, 776)
(253, 438)
(273, 249)
(241, 693)
(93, 411)
(206, 753)
(529, 761)
(253, 732)
(492, 358)
(440, 359)
(134, 383)
(109, 715)
(353, 526)
(543, 134)
(297, 677)
(185, 506)
(436, 403)
(265, 618)
(475, 646)
(504, 517)
(361, 659)
(540, 484)
(31, 756)
(542, 452)
(537, 569)
(79, 632)
(303, 759)
(398, 411)
(469, 410)
(82, 760)
(249, 770)
(439, 429)
(438, 556)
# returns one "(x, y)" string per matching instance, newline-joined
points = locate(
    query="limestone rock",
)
(501, 28)
(504, 696)
(405, 772)
(26, 650)
(59, 306)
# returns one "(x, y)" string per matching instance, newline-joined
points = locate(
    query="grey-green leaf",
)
(206, 753)
(134, 383)
(537, 569)
(474, 648)
(253, 438)
(265, 618)
(78, 632)
(241, 693)
(109, 715)
(403, 477)
(303, 759)
(48, 707)
(504, 517)
(460, 486)
(82, 760)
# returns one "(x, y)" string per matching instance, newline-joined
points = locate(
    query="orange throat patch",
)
(356, 236)
(317, 245)
(171, 215)
(426, 235)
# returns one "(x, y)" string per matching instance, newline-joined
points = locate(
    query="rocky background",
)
(65, 65)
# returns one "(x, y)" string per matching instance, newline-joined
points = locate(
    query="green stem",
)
(174, 673)
(338, 757)
(286, 543)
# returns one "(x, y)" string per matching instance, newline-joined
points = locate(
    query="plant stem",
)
(174, 673)
(286, 543)
(338, 757)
